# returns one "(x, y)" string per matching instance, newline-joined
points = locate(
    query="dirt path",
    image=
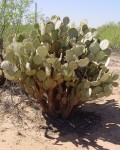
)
(17, 134)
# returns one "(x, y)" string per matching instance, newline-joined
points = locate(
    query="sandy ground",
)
(19, 129)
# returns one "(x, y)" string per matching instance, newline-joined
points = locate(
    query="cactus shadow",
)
(98, 121)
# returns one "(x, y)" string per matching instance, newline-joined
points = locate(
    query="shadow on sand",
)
(93, 122)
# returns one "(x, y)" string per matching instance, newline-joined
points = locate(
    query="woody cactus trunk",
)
(60, 66)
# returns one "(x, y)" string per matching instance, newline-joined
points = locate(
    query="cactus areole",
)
(60, 66)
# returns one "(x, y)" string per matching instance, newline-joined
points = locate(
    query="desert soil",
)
(19, 123)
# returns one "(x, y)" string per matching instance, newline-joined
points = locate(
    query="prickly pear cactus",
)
(69, 65)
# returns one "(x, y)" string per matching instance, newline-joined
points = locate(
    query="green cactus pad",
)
(115, 84)
(33, 34)
(64, 41)
(73, 33)
(104, 44)
(28, 46)
(80, 37)
(97, 90)
(63, 28)
(65, 72)
(49, 27)
(94, 48)
(91, 57)
(115, 77)
(78, 50)
(104, 77)
(9, 77)
(84, 26)
(94, 77)
(73, 65)
(69, 55)
(100, 55)
(36, 43)
(108, 90)
(83, 62)
(64, 69)
(56, 64)
(69, 74)
(87, 84)
(66, 20)
(109, 80)
(41, 75)
(107, 51)
(58, 76)
(46, 38)
(11, 72)
(30, 72)
(55, 35)
(101, 94)
(46, 64)
(37, 60)
(95, 83)
(42, 51)
(92, 30)
(63, 34)
(51, 60)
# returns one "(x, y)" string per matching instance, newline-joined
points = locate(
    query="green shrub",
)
(61, 67)
(112, 33)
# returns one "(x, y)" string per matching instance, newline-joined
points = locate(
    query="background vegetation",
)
(15, 18)
(111, 32)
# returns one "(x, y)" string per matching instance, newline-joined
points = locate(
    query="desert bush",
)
(111, 32)
(61, 67)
